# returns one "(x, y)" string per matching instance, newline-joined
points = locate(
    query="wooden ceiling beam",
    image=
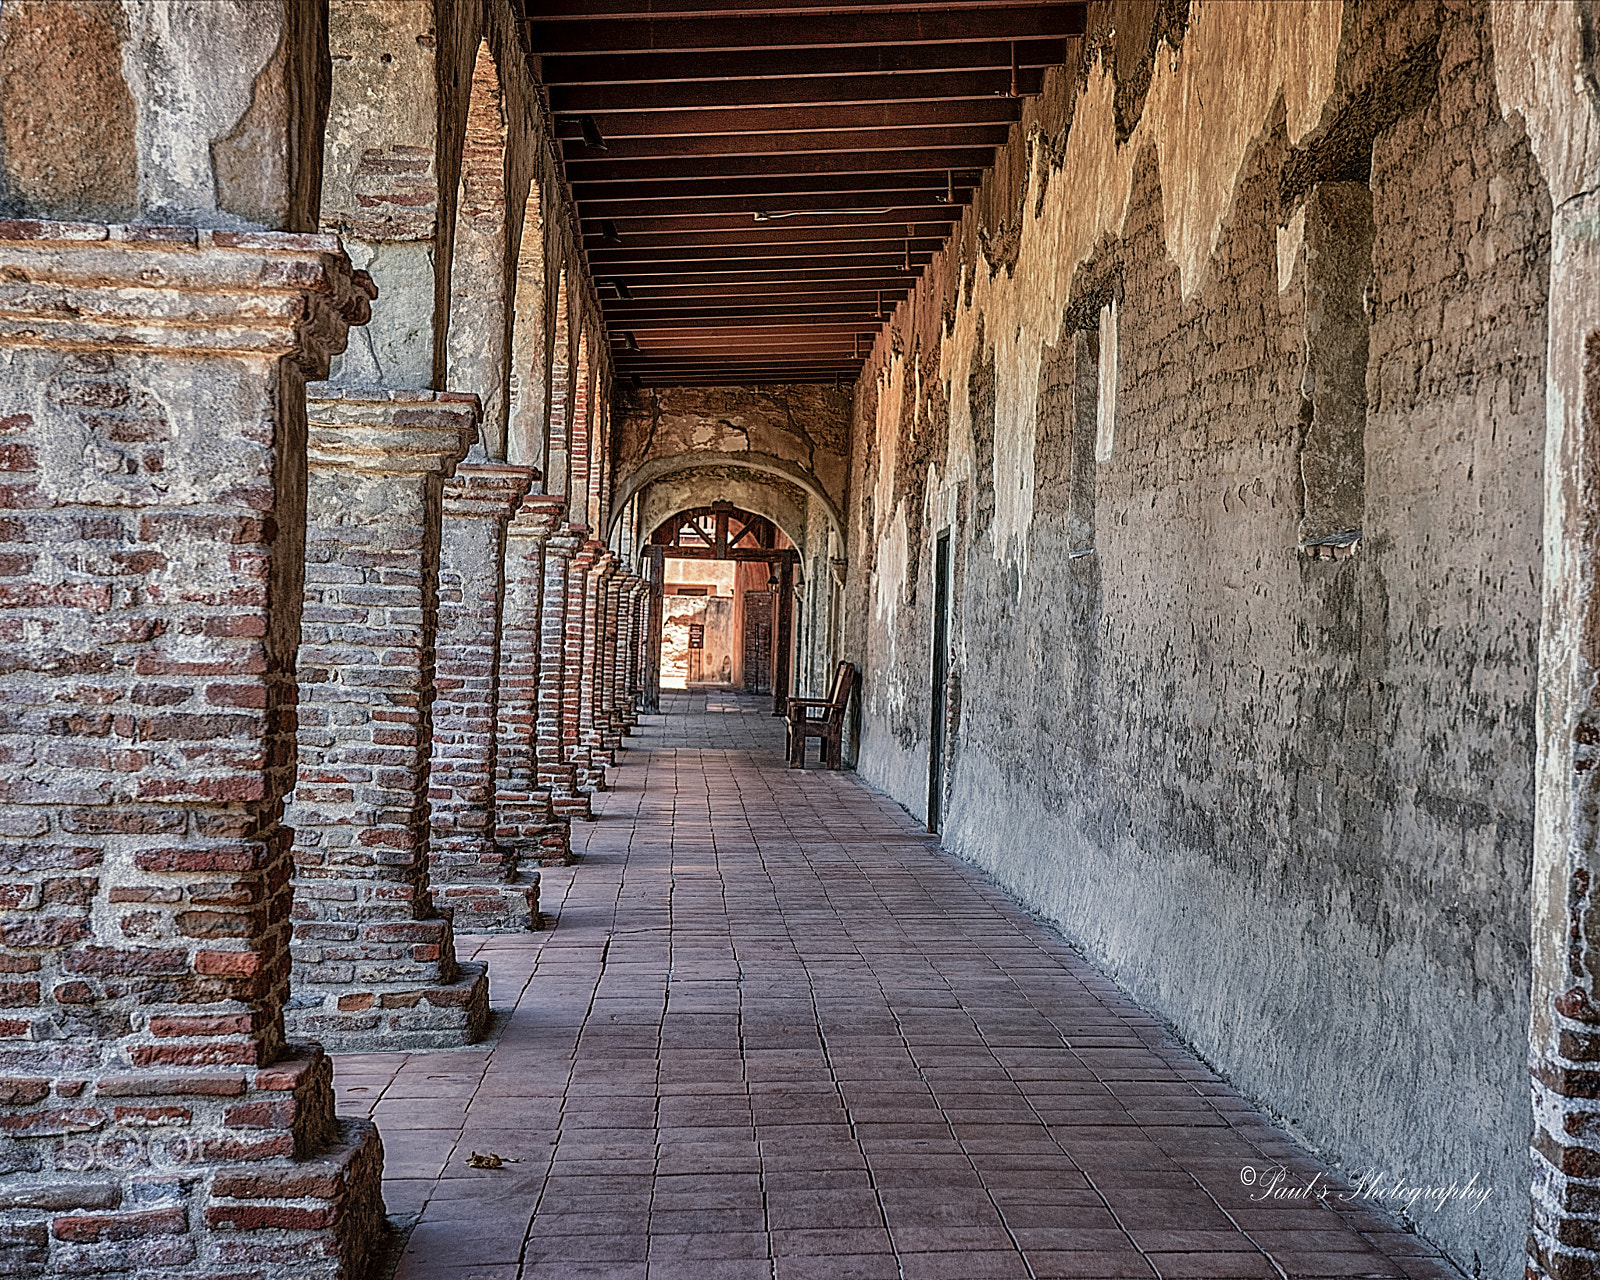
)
(788, 231)
(861, 317)
(625, 263)
(967, 162)
(854, 277)
(926, 186)
(903, 206)
(693, 95)
(867, 222)
(898, 59)
(741, 295)
(644, 10)
(616, 122)
(740, 29)
(720, 145)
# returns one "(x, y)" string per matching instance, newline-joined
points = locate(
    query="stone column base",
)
(363, 1016)
(316, 1219)
(294, 1192)
(573, 806)
(505, 906)
(567, 799)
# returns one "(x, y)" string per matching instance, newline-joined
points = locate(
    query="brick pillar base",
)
(156, 1122)
(374, 961)
(474, 872)
(555, 771)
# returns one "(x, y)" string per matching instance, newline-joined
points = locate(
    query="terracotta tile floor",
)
(776, 1033)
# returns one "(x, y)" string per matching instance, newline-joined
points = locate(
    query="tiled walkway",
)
(775, 1033)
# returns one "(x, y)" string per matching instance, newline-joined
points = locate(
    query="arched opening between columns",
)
(478, 320)
(528, 411)
(558, 448)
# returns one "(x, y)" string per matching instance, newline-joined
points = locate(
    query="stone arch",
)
(478, 324)
(528, 410)
(764, 463)
(661, 501)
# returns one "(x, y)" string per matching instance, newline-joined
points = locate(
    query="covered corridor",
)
(772, 1030)
(1178, 421)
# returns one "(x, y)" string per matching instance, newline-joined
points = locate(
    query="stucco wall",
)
(1283, 793)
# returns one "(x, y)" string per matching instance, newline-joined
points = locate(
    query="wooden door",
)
(758, 641)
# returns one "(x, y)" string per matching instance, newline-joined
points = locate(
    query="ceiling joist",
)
(760, 185)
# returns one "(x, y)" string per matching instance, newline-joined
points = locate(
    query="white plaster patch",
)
(1290, 240)
(1105, 410)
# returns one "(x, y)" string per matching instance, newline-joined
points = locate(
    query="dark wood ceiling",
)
(775, 176)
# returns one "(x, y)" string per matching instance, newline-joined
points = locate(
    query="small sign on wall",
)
(697, 635)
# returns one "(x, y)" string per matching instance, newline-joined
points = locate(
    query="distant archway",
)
(762, 463)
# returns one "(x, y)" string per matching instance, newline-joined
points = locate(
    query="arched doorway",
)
(727, 576)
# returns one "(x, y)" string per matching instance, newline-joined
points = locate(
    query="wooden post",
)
(783, 636)
(656, 576)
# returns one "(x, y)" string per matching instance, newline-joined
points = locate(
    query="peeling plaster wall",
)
(1285, 798)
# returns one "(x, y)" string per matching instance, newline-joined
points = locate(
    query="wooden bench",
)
(821, 718)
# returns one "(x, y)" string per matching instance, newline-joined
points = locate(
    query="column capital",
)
(388, 432)
(566, 542)
(487, 489)
(539, 516)
(187, 290)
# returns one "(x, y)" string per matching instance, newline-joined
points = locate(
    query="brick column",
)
(595, 728)
(523, 816)
(631, 634)
(577, 667)
(616, 592)
(556, 773)
(152, 448)
(374, 962)
(471, 872)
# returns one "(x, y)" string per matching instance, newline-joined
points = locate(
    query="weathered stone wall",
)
(123, 112)
(1277, 779)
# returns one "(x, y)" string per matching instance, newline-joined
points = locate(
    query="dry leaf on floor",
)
(488, 1160)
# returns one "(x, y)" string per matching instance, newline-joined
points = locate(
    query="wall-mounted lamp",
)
(592, 137)
(629, 342)
(774, 584)
(623, 292)
(608, 231)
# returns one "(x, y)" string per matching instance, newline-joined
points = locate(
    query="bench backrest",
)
(843, 680)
